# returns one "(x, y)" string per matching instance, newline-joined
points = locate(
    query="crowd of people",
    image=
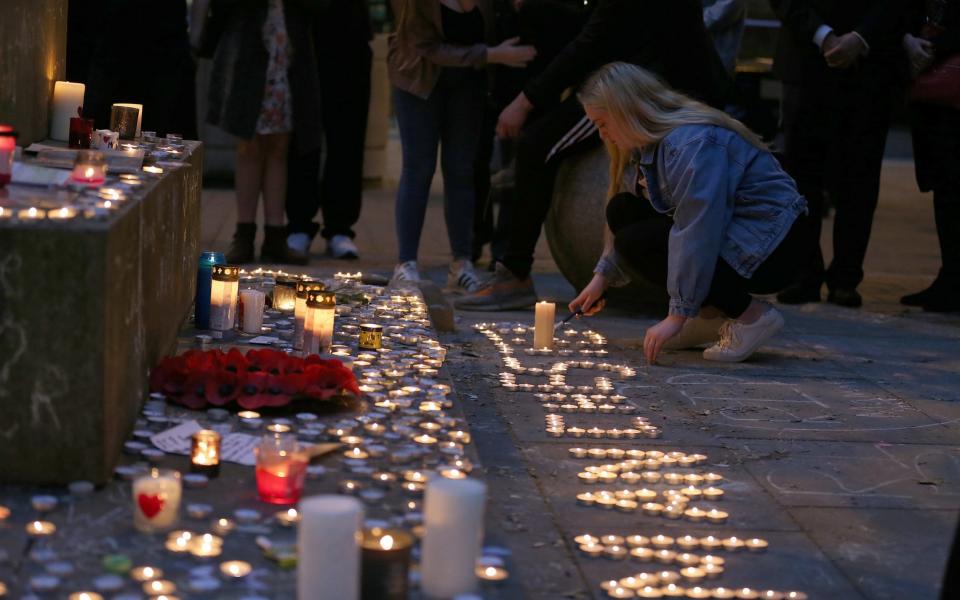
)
(697, 201)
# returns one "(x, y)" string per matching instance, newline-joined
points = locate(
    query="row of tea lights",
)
(555, 425)
(685, 543)
(639, 586)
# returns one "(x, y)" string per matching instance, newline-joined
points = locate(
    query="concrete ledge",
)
(86, 310)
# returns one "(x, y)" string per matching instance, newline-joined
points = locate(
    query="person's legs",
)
(419, 123)
(274, 187)
(247, 178)
(863, 134)
(303, 191)
(640, 236)
(345, 86)
(807, 126)
(533, 191)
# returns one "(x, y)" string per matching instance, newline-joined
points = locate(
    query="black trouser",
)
(641, 237)
(834, 136)
(534, 180)
(345, 93)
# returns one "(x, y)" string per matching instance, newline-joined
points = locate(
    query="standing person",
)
(838, 62)
(667, 37)
(726, 20)
(436, 65)
(934, 36)
(264, 80)
(720, 220)
(342, 37)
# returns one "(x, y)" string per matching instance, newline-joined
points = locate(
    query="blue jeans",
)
(451, 118)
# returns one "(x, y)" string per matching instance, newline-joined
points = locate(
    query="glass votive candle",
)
(281, 469)
(205, 453)
(156, 500)
(90, 167)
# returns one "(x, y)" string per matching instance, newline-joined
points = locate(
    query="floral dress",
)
(276, 112)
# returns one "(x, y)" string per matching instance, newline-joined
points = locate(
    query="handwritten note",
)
(234, 447)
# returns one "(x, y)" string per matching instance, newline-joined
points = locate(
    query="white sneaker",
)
(695, 332)
(405, 272)
(299, 243)
(740, 340)
(341, 246)
(463, 278)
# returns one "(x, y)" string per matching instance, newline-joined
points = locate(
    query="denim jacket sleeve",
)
(696, 176)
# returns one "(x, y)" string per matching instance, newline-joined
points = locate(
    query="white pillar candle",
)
(67, 103)
(156, 500)
(543, 325)
(223, 296)
(328, 546)
(139, 108)
(319, 321)
(453, 533)
(252, 302)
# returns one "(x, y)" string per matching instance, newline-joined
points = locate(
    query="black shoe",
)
(946, 296)
(275, 249)
(924, 296)
(241, 248)
(848, 297)
(799, 294)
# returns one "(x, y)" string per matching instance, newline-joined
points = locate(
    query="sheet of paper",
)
(264, 340)
(29, 174)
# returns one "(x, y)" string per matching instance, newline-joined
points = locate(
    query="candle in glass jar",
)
(224, 285)
(318, 322)
(205, 452)
(281, 469)
(129, 106)
(8, 148)
(285, 293)
(300, 308)
(385, 564)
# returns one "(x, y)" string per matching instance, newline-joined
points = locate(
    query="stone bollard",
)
(576, 220)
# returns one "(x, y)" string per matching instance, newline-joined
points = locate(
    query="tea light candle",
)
(153, 170)
(699, 592)
(145, 573)
(205, 452)
(746, 593)
(586, 538)
(586, 499)
(724, 593)
(62, 214)
(621, 592)
(673, 591)
(492, 573)
(615, 552)
(717, 516)
(236, 569)
(41, 529)
(159, 586)
(205, 546)
(288, 517)
(711, 543)
(733, 544)
(756, 544)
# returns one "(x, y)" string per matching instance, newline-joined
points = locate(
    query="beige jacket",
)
(417, 50)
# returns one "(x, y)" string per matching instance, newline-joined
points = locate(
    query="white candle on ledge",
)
(453, 532)
(67, 103)
(329, 548)
(543, 325)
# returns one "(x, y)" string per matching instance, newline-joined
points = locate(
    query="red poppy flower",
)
(193, 390)
(222, 387)
(235, 361)
(253, 392)
(269, 361)
(169, 376)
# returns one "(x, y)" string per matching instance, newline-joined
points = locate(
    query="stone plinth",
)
(86, 309)
(576, 221)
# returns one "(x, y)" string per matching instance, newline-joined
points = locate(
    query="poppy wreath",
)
(258, 379)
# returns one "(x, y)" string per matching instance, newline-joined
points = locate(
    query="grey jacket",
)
(728, 200)
(240, 68)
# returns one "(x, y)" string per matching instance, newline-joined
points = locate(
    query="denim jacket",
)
(727, 198)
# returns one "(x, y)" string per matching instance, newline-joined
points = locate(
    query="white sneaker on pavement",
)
(695, 332)
(463, 278)
(299, 243)
(342, 246)
(739, 340)
(405, 272)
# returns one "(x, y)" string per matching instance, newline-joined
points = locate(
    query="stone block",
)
(86, 309)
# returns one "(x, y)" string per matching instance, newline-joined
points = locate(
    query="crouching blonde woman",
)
(696, 202)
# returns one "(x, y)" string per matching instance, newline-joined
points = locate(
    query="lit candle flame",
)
(386, 542)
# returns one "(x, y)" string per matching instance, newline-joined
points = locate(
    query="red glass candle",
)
(81, 131)
(281, 469)
(8, 147)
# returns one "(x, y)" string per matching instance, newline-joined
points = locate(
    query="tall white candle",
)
(543, 325)
(253, 302)
(67, 103)
(453, 533)
(139, 108)
(328, 546)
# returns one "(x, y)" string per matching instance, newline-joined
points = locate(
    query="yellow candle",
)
(67, 103)
(543, 324)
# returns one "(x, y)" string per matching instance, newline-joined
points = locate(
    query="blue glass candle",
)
(201, 302)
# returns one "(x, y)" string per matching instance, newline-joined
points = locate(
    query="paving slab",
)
(888, 554)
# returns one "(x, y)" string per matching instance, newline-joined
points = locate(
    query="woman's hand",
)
(658, 335)
(919, 52)
(590, 300)
(511, 54)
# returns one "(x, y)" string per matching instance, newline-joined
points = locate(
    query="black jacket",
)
(799, 61)
(665, 36)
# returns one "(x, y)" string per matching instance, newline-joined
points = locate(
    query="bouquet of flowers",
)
(258, 379)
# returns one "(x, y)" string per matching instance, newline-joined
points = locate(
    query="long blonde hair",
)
(646, 110)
